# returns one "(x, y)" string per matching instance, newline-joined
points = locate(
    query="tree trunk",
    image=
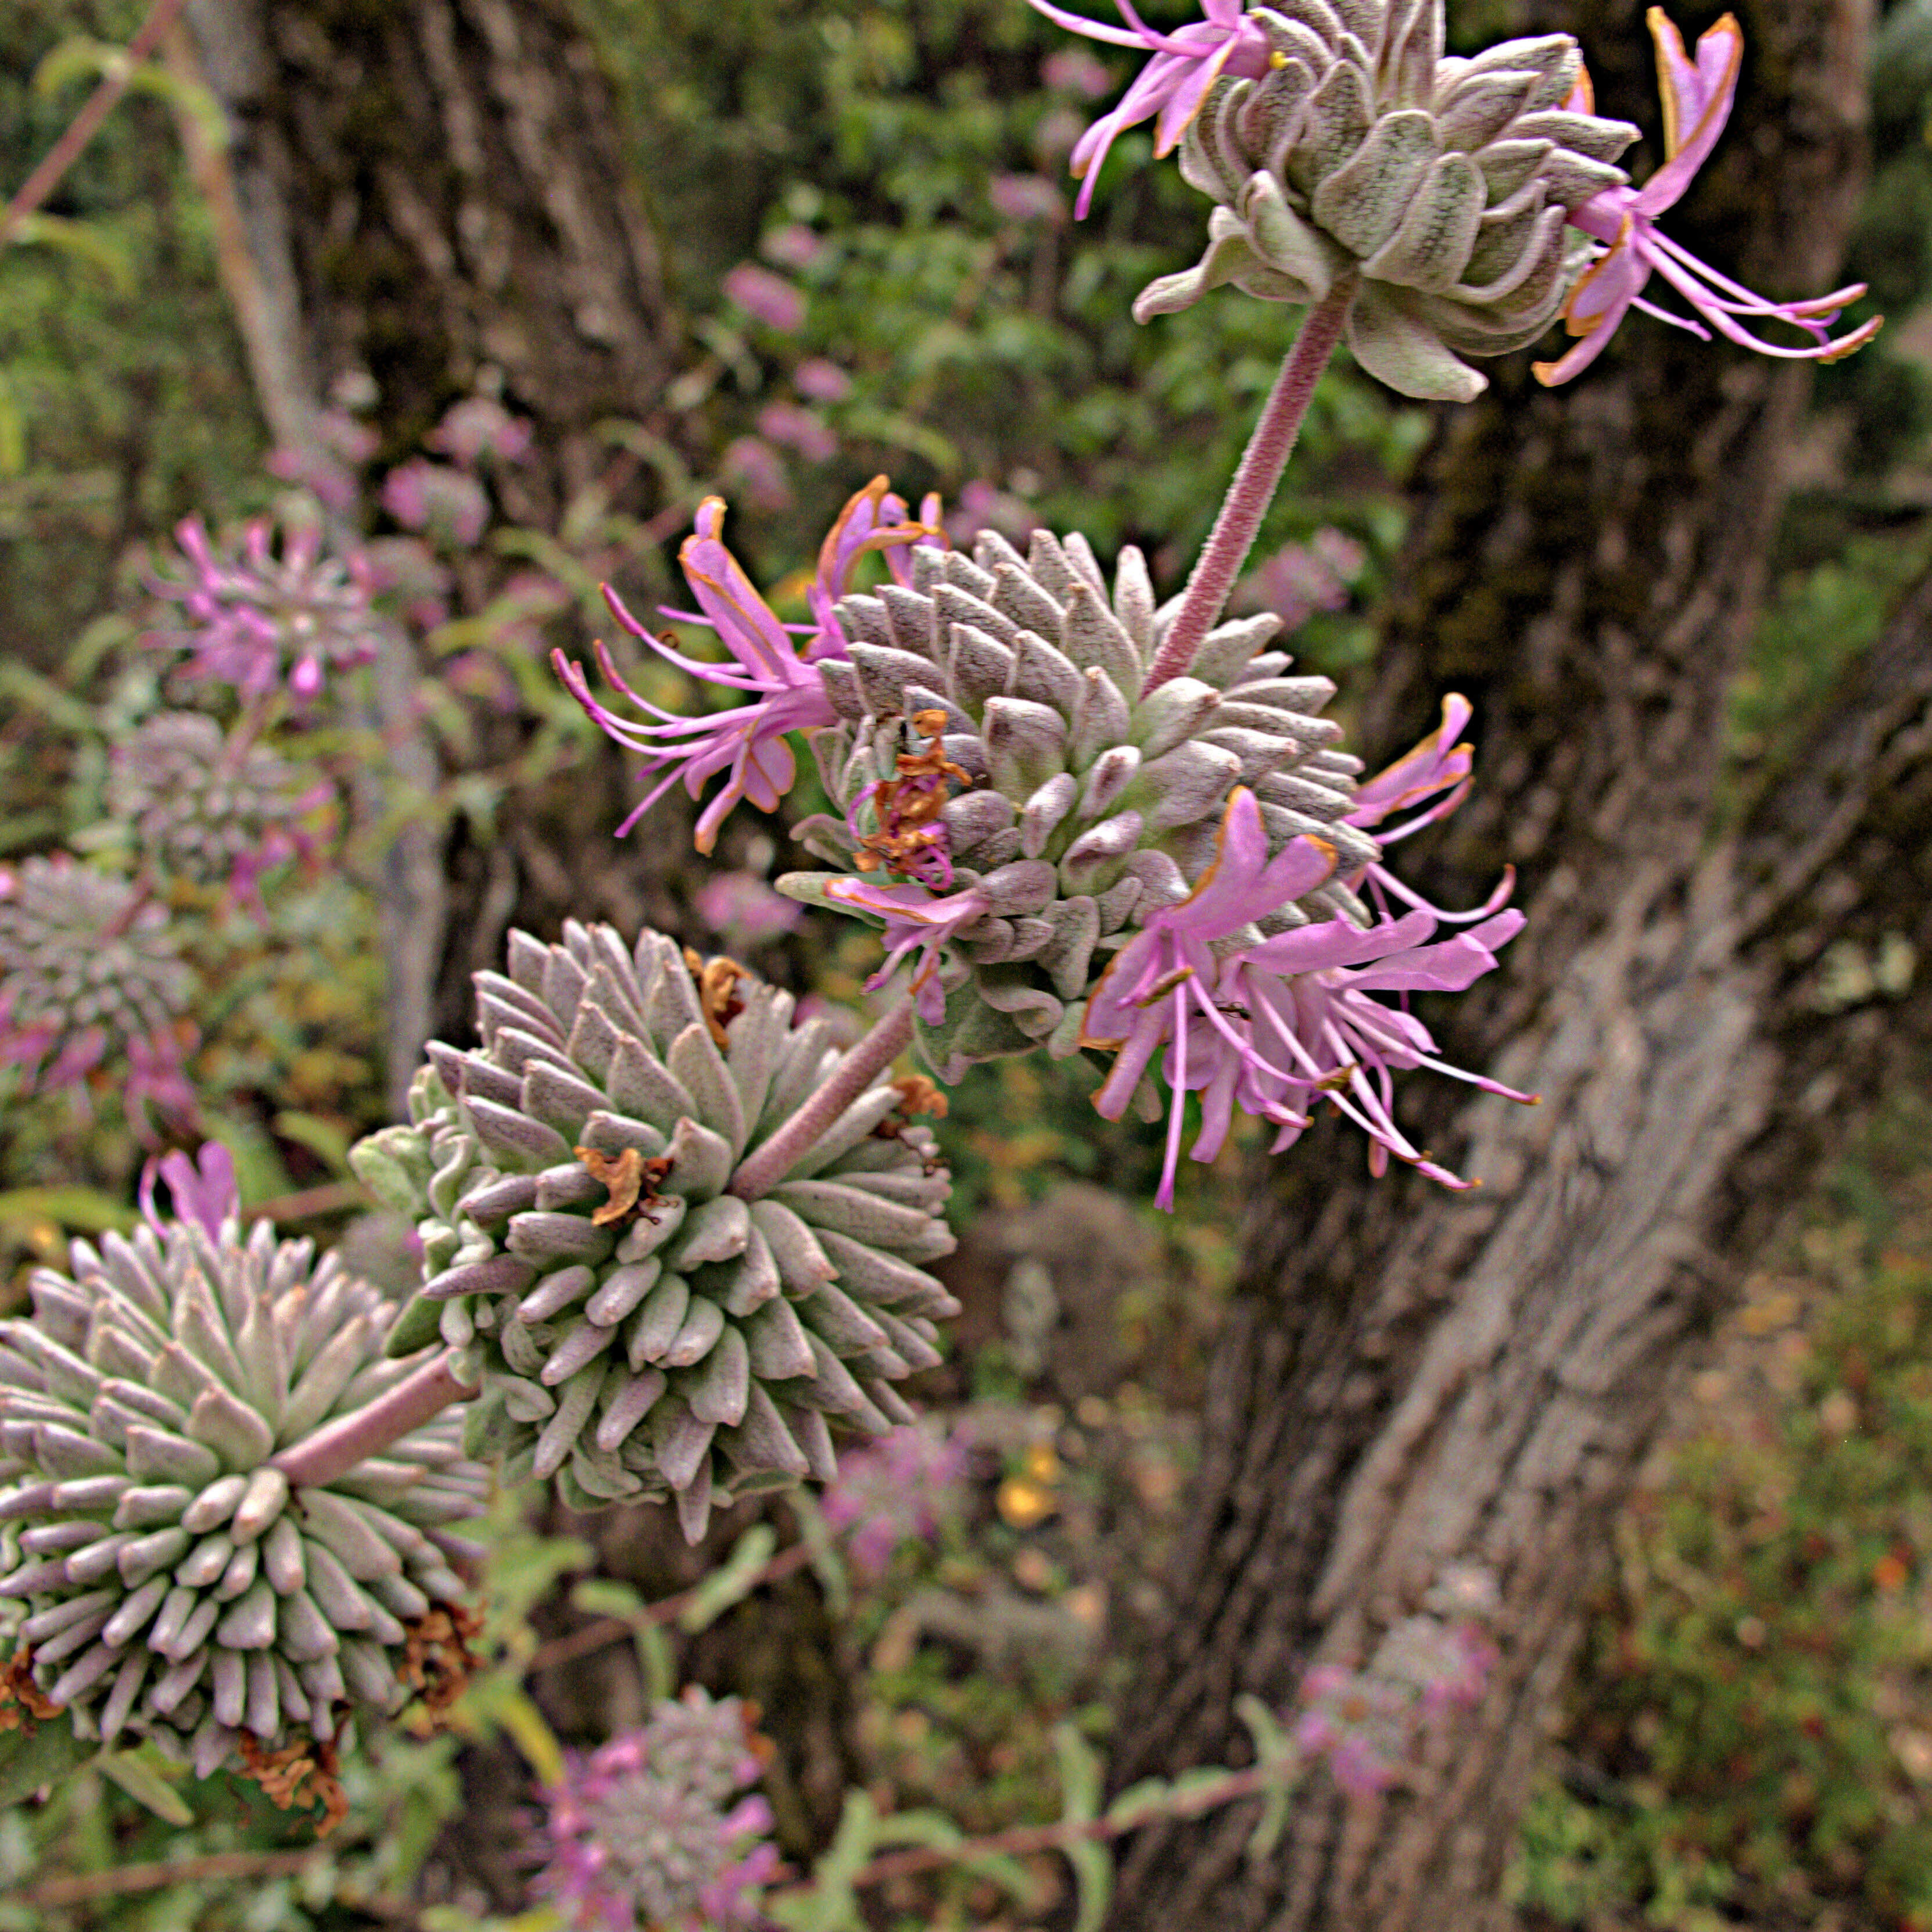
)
(434, 194)
(1413, 1378)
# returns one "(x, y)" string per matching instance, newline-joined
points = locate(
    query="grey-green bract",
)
(680, 1342)
(175, 1587)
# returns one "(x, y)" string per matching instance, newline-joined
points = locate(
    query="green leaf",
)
(607, 1597)
(733, 1582)
(143, 1783)
(1080, 1786)
(50, 1755)
(827, 1565)
(84, 1208)
(655, 1661)
(1147, 1799)
(419, 1325)
(830, 1903)
(326, 1140)
(84, 240)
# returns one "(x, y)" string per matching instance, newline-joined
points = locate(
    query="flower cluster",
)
(1336, 139)
(176, 1585)
(90, 969)
(649, 1829)
(640, 1330)
(1069, 853)
(1365, 1723)
(894, 1491)
(216, 809)
(258, 618)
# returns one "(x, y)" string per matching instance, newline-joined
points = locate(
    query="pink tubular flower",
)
(749, 741)
(202, 1190)
(1185, 64)
(913, 918)
(254, 616)
(1159, 990)
(1314, 1033)
(785, 692)
(1697, 97)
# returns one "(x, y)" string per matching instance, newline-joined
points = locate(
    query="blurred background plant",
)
(891, 283)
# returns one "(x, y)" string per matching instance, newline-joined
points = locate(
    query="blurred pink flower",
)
(477, 427)
(256, 616)
(1026, 198)
(824, 382)
(895, 1489)
(422, 495)
(743, 910)
(793, 246)
(645, 1831)
(770, 298)
(1074, 71)
(982, 505)
(802, 430)
(1300, 579)
(202, 1188)
(752, 462)
(1362, 1725)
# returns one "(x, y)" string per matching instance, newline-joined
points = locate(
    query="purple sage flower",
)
(90, 970)
(784, 689)
(1159, 989)
(894, 1491)
(798, 428)
(477, 427)
(1697, 97)
(256, 617)
(645, 1831)
(1185, 64)
(824, 382)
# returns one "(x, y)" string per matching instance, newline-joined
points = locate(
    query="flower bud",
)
(642, 1333)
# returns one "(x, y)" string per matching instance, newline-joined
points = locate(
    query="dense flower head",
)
(1338, 141)
(90, 972)
(175, 1586)
(646, 1831)
(1365, 1724)
(1697, 95)
(641, 1332)
(894, 1491)
(211, 806)
(1014, 803)
(258, 617)
(748, 742)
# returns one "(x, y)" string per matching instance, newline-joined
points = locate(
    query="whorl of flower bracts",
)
(258, 618)
(993, 739)
(640, 1332)
(1446, 184)
(90, 971)
(175, 1586)
(647, 1829)
(210, 808)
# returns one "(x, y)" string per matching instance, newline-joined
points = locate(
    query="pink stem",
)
(762, 1170)
(331, 1453)
(1253, 488)
(100, 104)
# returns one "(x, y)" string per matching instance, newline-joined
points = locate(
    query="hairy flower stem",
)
(853, 1074)
(330, 1454)
(1253, 488)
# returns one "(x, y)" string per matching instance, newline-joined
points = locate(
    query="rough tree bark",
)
(434, 194)
(1413, 1378)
